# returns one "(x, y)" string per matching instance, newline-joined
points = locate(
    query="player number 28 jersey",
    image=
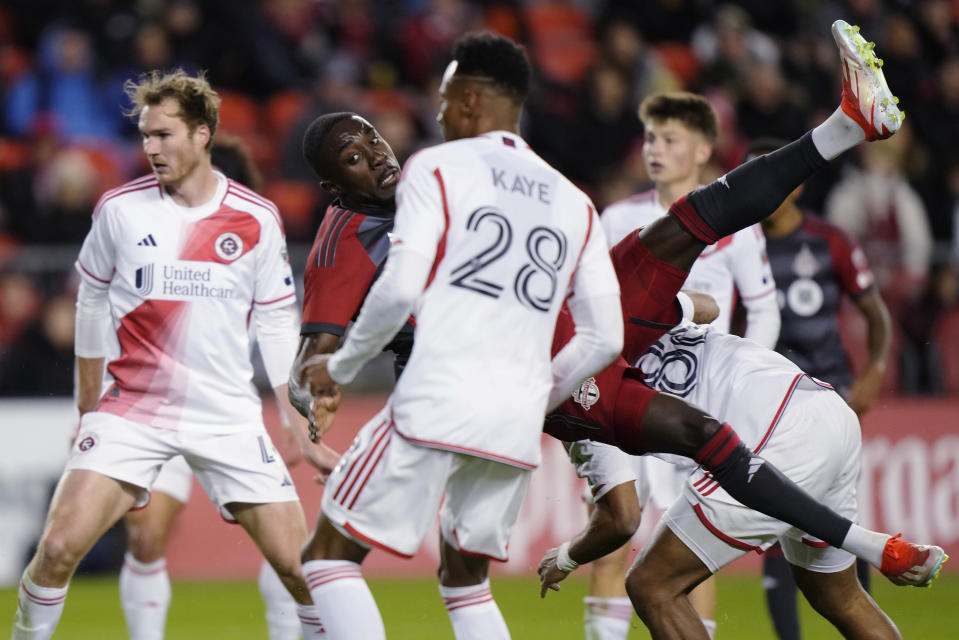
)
(511, 237)
(182, 286)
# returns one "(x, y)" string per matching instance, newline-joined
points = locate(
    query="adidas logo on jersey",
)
(754, 463)
(147, 242)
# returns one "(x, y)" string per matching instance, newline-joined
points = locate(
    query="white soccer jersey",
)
(511, 239)
(737, 261)
(735, 380)
(183, 283)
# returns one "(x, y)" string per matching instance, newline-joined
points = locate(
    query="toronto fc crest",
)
(588, 393)
(228, 246)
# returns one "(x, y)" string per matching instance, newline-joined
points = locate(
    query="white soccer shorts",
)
(817, 444)
(242, 467)
(385, 493)
(175, 479)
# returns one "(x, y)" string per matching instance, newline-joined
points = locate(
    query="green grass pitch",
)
(412, 610)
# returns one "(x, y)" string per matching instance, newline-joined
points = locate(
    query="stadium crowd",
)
(769, 70)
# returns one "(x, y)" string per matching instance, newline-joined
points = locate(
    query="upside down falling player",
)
(698, 534)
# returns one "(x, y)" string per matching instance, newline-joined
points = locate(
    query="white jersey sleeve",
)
(274, 278)
(97, 260)
(753, 278)
(421, 215)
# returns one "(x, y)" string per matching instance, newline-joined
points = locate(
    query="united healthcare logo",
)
(144, 280)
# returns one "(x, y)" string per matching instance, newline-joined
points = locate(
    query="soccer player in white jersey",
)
(145, 592)
(680, 129)
(181, 261)
(488, 242)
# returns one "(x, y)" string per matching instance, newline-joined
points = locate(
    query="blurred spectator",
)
(19, 304)
(624, 47)
(937, 25)
(729, 49)
(65, 92)
(66, 190)
(877, 204)
(41, 361)
(766, 108)
(920, 364)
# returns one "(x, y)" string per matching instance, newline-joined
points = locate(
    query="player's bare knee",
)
(144, 545)
(57, 556)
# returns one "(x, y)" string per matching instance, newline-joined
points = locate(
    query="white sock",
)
(838, 133)
(607, 618)
(710, 627)
(474, 613)
(38, 610)
(145, 595)
(343, 600)
(309, 622)
(866, 544)
(282, 622)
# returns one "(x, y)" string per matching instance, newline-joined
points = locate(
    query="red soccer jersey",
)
(348, 254)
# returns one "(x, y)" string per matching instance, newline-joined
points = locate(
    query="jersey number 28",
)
(545, 247)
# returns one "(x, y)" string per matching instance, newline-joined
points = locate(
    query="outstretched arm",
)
(611, 525)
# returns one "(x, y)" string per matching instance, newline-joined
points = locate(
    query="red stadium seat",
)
(296, 201)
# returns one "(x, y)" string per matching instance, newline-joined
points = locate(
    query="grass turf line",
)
(412, 609)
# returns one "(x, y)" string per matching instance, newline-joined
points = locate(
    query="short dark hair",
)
(315, 138)
(762, 146)
(693, 110)
(496, 58)
(232, 157)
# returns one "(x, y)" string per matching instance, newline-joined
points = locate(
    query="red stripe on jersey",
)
(276, 299)
(733, 542)
(441, 245)
(252, 197)
(589, 231)
(477, 554)
(760, 295)
(87, 271)
(147, 373)
(779, 412)
(105, 199)
(360, 463)
(817, 544)
(204, 236)
(467, 450)
(379, 456)
(374, 543)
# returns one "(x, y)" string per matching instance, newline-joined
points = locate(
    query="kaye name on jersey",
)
(183, 280)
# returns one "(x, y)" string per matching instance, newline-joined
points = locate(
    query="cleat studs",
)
(895, 99)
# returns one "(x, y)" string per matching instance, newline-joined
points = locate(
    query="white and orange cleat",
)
(911, 565)
(866, 97)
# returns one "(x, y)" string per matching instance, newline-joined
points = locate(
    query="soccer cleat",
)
(866, 97)
(908, 564)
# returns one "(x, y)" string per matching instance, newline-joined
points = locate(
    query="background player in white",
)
(145, 591)
(181, 260)
(680, 129)
(489, 240)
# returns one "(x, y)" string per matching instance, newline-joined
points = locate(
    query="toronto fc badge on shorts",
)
(228, 246)
(588, 393)
(87, 442)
